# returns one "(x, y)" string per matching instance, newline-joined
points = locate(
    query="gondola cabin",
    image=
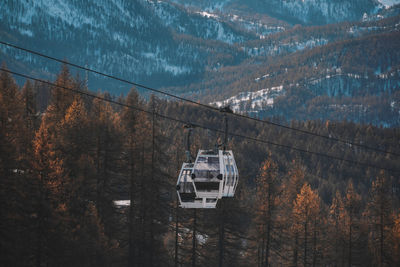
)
(212, 176)
(230, 173)
(207, 176)
(215, 175)
(187, 193)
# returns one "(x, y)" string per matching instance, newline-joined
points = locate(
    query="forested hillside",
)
(355, 79)
(66, 157)
(313, 59)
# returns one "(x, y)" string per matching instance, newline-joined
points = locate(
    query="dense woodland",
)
(65, 157)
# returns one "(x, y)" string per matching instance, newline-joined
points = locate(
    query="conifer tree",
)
(267, 194)
(13, 174)
(289, 232)
(129, 120)
(336, 230)
(380, 217)
(352, 208)
(30, 115)
(395, 234)
(107, 142)
(305, 209)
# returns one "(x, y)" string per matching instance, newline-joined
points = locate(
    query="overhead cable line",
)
(334, 139)
(201, 126)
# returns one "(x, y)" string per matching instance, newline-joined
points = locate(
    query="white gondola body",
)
(211, 177)
(206, 169)
(187, 193)
(230, 173)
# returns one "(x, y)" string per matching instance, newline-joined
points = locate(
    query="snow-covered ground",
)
(332, 83)
(276, 49)
(251, 100)
(122, 203)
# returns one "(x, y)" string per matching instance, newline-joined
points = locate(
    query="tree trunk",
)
(295, 253)
(305, 243)
(221, 235)
(153, 185)
(176, 231)
(267, 245)
(131, 228)
(350, 242)
(268, 228)
(262, 250)
(194, 239)
(381, 238)
(40, 224)
(177, 218)
(142, 213)
(315, 244)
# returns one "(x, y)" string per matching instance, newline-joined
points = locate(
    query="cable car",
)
(187, 193)
(230, 173)
(212, 176)
(215, 174)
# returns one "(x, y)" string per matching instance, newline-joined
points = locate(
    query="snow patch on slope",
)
(207, 15)
(251, 101)
(279, 48)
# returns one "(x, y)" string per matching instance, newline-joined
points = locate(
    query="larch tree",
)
(66, 181)
(13, 175)
(61, 95)
(129, 120)
(43, 156)
(352, 211)
(287, 231)
(395, 241)
(336, 231)
(30, 114)
(379, 214)
(306, 208)
(159, 185)
(267, 184)
(75, 173)
(107, 142)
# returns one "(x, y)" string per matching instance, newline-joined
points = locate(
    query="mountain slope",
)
(129, 39)
(225, 52)
(352, 77)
